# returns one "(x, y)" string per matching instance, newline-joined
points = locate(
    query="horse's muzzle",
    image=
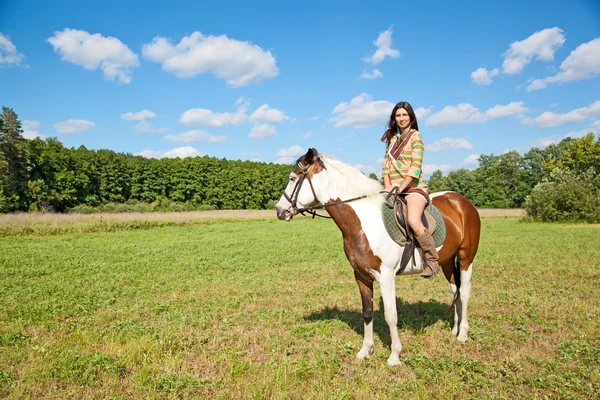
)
(284, 214)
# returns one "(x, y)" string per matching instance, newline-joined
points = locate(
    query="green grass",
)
(266, 309)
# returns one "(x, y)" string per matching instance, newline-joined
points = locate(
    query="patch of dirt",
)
(498, 212)
(190, 215)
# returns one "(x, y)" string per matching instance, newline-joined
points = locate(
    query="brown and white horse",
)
(370, 250)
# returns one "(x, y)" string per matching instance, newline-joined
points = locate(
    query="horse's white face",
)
(285, 209)
(298, 193)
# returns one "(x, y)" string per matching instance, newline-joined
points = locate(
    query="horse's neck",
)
(349, 219)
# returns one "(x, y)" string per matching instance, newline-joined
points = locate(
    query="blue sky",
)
(267, 80)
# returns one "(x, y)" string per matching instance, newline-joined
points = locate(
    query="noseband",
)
(293, 198)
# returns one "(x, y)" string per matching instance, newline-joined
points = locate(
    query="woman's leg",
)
(416, 204)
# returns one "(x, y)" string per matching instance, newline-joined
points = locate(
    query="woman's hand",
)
(387, 188)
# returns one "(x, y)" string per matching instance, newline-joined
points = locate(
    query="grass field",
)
(258, 308)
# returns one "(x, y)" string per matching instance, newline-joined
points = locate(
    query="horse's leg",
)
(457, 307)
(462, 303)
(366, 293)
(388, 295)
(452, 274)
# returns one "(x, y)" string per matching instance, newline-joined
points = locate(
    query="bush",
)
(271, 204)
(566, 196)
(83, 209)
(161, 205)
(206, 207)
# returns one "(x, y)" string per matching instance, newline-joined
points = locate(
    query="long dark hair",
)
(393, 127)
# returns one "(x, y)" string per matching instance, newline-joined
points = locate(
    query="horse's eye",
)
(292, 178)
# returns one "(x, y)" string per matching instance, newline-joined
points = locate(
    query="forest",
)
(560, 182)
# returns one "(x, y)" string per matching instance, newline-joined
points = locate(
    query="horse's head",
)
(300, 193)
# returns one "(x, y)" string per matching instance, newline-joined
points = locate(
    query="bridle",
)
(293, 198)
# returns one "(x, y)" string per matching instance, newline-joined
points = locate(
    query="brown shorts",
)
(416, 190)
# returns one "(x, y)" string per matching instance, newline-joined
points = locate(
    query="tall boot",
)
(429, 254)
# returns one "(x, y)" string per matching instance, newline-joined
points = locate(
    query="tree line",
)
(558, 182)
(41, 174)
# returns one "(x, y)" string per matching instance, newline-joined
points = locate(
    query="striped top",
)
(408, 163)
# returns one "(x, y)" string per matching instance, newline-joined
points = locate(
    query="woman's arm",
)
(416, 162)
(385, 173)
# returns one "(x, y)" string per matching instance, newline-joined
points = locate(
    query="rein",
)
(293, 199)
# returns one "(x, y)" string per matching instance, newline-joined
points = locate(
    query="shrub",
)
(271, 204)
(566, 196)
(83, 209)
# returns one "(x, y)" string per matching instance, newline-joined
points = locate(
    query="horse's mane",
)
(347, 180)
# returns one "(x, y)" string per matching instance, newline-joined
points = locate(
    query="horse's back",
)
(463, 226)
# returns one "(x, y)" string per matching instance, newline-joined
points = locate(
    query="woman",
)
(402, 167)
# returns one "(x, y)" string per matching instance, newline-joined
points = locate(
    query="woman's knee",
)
(416, 224)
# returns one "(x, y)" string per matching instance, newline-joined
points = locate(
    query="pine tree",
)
(13, 169)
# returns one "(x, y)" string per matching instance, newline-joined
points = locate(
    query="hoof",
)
(393, 361)
(462, 339)
(364, 353)
(455, 331)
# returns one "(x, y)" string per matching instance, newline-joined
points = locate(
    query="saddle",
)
(401, 213)
(401, 231)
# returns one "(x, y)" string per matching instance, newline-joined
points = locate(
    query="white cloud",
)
(483, 77)
(370, 75)
(307, 135)
(210, 119)
(149, 154)
(472, 160)
(138, 116)
(448, 143)
(289, 155)
(362, 112)
(455, 115)
(30, 129)
(293, 121)
(238, 63)
(384, 48)
(195, 136)
(315, 118)
(466, 113)
(550, 119)
(9, 56)
(242, 102)
(429, 169)
(546, 141)
(421, 112)
(262, 131)
(269, 115)
(145, 127)
(541, 45)
(95, 51)
(182, 152)
(580, 133)
(513, 108)
(253, 156)
(367, 169)
(73, 126)
(582, 63)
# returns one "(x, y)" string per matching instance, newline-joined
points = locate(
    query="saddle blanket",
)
(389, 220)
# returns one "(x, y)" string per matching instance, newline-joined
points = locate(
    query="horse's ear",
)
(311, 155)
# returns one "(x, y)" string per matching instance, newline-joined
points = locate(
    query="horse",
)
(354, 202)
